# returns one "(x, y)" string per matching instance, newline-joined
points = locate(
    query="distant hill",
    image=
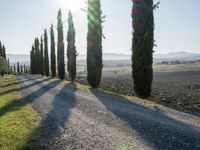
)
(111, 56)
(181, 56)
(106, 56)
(18, 58)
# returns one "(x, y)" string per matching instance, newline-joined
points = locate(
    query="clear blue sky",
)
(177, 24)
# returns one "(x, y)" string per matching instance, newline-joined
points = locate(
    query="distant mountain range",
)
(111, 56)
(177, 56)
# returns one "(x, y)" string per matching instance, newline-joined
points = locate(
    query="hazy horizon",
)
(175, 30)
(124, 53)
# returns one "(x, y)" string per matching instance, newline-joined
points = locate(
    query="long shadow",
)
(34, 82)
(57, 117)
(170, 134)
(58, 112)
(16, 82)
(16, 104)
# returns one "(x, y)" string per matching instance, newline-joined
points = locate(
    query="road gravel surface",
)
(86, 119)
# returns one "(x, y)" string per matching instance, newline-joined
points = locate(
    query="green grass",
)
(19, 123)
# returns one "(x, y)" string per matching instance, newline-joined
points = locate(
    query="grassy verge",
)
(19, 123)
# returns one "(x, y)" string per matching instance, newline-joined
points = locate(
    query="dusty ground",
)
(74, 118)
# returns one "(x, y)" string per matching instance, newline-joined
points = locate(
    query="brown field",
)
(176, 86)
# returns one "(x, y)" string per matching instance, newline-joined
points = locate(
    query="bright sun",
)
(73, 5)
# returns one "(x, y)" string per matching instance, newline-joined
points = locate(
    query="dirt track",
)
(82, 119)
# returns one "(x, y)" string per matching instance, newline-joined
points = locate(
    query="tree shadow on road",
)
(35, 81)
(56, 120)
(56, 115)
(18, 82)
(157, 135)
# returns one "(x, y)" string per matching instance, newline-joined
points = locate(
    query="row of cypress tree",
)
(4, 62)
(2, 50)
(40, 57)
(142, 46)
(19, 69)
(39, 63)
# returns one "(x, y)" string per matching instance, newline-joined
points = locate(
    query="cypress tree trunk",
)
(46, 54)
(53, 55)
(71, 49)
(142, 46)
(60, 47)
(94, 43)
(41, 57)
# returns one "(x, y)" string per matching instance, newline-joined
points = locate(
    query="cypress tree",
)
(142, 46)
(60, 47)
(32, 56)
(8, 61)
(25, 69)
(94, 43)
(41, 57)
(53, 55)
(21, 69)
(18, 68)
(14, 69)
(37, 56)
(71, 49)
(1, 52)
(4, 52)
(46, 54)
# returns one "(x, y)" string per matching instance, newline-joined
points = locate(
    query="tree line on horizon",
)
(142, 47)
(4, 62)
(6, 67)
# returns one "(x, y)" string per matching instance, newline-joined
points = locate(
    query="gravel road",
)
(84, 119)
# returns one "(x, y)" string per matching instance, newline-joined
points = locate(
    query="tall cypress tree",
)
(37, 56)
(94, 43)
(8, 62)
(21, 69)
(1, 52)
(71, 49)
(4, 52)
(60, 47)
(41, 57)
(32, 62)
(53, 55)
(46, 54)
(14, 68)
(142, 46)
(18, 68)
(25, 69)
